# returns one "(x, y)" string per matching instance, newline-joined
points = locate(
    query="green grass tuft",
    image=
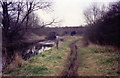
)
(53, 58)
(36, 69)
(109, 60)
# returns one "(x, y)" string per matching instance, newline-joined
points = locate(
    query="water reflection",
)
(37, 49)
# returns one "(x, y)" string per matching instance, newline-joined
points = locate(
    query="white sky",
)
(70, 11)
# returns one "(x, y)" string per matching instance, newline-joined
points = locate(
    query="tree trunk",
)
(18, 59)
(8, 54)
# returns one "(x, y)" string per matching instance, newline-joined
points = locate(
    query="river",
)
(37, 48)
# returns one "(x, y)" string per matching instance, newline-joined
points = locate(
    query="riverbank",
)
(94, 61)
(49, 63)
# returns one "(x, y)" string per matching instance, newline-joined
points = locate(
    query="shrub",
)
(51, 36)
(73, 33)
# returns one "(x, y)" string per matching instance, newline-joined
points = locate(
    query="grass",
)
(27, 69)
(36, 69)
(110, 60)
(52, 58)
(94, 61)
(49, 63)
(97, 61)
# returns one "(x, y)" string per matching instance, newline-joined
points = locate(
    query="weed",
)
(53, 58)
(10, 71)
(49, 62)
(109, 60)
(36, 69)
(40, 55)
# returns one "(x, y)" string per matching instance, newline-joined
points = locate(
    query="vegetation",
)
(94, 61)
(49, 63)
(97, 61)
(105, 30)
(98, 42)
(73, 33)
(51, 36)
(17, 17)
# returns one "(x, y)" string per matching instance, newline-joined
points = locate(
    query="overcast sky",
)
(70, 12)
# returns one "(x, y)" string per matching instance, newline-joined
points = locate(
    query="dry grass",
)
(94, 61)
(49, 63)
(97, 61)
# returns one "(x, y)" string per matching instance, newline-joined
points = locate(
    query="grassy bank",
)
(97, 61)
(49, 63)
(94, 61)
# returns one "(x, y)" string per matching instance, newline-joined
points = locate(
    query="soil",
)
(71, 67)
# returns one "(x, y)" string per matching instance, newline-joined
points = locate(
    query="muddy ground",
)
(71, 67)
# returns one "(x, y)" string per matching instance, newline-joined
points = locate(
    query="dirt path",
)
(72, 65)
(90, 61)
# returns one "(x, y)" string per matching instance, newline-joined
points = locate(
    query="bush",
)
(51, 36)
(73, 33)
(107, 31)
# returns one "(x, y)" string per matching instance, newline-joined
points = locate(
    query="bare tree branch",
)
(94, 13)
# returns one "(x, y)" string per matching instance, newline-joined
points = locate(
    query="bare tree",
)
(16, 19)
(94, 13)
(52, 22)
(16, 14)
(37, 22)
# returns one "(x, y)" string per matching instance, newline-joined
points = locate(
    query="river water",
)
(37, 48)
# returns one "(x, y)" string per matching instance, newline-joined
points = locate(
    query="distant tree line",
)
(103, 25)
